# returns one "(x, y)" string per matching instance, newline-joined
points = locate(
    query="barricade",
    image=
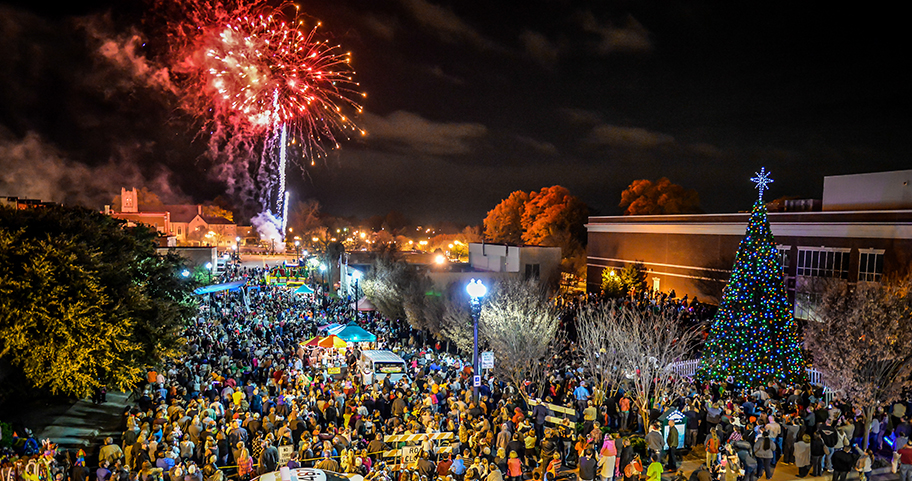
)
(560, 413)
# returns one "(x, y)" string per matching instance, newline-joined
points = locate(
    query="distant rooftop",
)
(872, 191)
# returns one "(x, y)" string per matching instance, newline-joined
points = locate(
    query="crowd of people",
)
(248, 398)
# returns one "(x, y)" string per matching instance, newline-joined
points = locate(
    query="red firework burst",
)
(255, 67)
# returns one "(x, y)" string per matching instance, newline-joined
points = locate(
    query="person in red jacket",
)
(514, 467)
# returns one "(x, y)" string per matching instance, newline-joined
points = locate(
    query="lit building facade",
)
(694, 254)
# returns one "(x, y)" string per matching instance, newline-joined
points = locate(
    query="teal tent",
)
(304, 289)
(353, 333)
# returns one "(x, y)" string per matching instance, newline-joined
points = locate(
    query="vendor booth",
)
(355, 334)
(363, 305)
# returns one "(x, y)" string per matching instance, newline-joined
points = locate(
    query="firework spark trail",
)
(247, 68)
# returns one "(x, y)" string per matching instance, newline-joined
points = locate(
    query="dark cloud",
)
(546, 148)
(630, 137)
(419, 135)
(449, 26)
(30, 167)
(539, 48)
(631, 37)
(580, 116)
(437, 71)
(382, 26)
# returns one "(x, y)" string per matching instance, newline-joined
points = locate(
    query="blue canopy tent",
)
(304, 289)
(212, 289)
(353, 333)
(226, 287)
(328, 327)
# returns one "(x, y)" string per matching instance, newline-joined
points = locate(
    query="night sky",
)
(469, 101)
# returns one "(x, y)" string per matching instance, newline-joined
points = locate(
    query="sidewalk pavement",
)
(85, 425)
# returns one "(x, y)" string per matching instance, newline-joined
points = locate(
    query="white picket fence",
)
(689, 369)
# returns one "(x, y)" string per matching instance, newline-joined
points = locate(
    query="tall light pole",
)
(322, 284)
(476, 291)
(297, 244)
(209, 268)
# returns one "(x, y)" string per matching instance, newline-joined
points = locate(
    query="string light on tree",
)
(762, 180)
(754, 337)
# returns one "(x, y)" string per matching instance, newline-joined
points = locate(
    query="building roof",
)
(216, 220)
(886, 224)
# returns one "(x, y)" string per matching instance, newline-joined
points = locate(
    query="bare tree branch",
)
(863, 342)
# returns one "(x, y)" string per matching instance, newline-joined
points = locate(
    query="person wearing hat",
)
(79, 472)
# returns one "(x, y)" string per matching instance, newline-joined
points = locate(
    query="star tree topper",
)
(762, 179)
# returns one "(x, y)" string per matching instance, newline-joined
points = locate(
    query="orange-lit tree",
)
(645, 197)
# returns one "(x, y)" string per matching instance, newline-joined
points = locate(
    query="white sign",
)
(285, 454)
(410, 454)
(487, 360)
(476, 381)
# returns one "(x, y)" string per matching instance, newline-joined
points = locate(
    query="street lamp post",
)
(476, 291)
(356, 274)
(322, 285)
(209, 268)
(297, 244)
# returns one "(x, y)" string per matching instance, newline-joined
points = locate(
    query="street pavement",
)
(85, 424)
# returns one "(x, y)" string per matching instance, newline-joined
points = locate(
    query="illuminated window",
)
(823, 262)
(784, 257)
(870, 265)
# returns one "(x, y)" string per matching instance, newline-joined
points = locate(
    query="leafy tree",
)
(503, 223)
(216, 211)
(644, 197)
(86, 301)
(551, 217)
(634, 277)
(861, 343)
(612, 284)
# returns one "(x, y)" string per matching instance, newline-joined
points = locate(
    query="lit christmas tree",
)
(754, 338)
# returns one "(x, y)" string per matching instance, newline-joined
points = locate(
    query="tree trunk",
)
(644, 414)
(869, 415)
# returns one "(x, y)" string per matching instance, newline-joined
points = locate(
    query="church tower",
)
(128, 200)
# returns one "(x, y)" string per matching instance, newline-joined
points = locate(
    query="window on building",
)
(533, 271)
(870, 265)
(784, 257)
(823, 262)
